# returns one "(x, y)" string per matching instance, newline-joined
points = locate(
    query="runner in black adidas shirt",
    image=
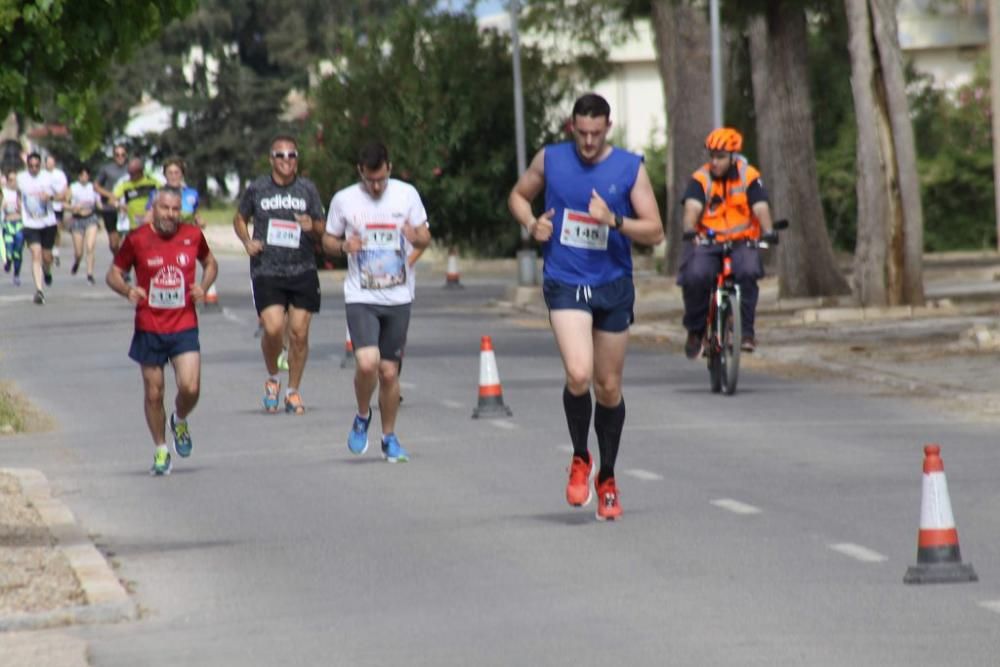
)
(288, 218)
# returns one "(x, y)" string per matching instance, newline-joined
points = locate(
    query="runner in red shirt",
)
(166, 324)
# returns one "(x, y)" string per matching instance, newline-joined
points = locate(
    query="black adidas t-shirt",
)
(272, 209)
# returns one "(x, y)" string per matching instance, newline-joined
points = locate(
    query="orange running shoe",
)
(271, 391)
(578, 488)
(293, 404)
(608, 507)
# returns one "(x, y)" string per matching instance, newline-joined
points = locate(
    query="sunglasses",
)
(285, 155)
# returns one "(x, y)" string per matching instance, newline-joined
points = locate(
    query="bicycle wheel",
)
(714, 360)
(730, 333)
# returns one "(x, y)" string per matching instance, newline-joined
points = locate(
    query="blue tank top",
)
(582, 252)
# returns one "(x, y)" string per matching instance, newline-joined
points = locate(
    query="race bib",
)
(579, 230)
(166, 290)
(381, 237)
(123, 224)
(35, 207)
(283, 233)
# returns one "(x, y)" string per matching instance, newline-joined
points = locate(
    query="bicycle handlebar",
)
(708, 238)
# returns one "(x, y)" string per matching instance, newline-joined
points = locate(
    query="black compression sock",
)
(608, 423)
(578, 410)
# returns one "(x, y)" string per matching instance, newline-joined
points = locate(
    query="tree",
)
(437, 92)
(779, 53)
(888, 258)
(55, 48)
(683, 57)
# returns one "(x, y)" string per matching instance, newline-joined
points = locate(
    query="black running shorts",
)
(298, 291)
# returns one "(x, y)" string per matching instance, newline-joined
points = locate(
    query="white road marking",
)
(565, 448)
(644, 475)
(735, 506)
(407, 385)
(448, 403)
(231, 316)
(510, 426)
(991, 605)
(858, 552)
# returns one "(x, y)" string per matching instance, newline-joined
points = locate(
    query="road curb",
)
(107, 600)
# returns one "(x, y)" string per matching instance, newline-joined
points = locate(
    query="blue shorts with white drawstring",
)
(611, 304)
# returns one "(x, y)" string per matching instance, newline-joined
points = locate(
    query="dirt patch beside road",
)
(35, 576)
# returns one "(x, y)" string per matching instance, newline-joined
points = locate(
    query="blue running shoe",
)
(182, 436)
(271, 391)
(392, 451)
(357, 439)
(161, 462)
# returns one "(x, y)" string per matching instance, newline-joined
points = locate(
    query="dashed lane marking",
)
(448, 403)
(509, 426)
(232, 317)
(565, 448)
(644, 475)
(991, 605)
(858, 552)
(735, 506)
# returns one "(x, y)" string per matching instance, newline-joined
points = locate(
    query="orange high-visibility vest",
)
(731, 218)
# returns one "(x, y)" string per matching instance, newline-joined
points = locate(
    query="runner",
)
(83, 200)
(598, 199)
(13, 228)
(39, 222)
(105, 182)
(377, 223)
(132, 195)
(174, 171)
(163, 256)
(287, 214)
(60, 194)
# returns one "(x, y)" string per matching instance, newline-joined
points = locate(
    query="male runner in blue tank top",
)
(598, 199)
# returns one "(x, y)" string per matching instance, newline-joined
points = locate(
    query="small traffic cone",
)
(490, 392)
(938, 557)
(348, 360)
(452, 280)
(212, 296)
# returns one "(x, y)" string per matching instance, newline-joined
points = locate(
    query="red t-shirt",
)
(165, 268)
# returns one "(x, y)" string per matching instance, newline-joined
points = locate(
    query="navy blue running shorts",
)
(611, 304)
(153, 349)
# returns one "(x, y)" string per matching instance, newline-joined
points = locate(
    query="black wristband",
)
(619, 221)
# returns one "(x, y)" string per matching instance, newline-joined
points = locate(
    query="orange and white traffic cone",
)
(938, 557)
(348, 360)
(212, 296)
(490, 392)
(451, 277)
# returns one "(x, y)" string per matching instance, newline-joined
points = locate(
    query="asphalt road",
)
(769, 528)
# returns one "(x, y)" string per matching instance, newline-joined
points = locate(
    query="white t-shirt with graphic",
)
(35, 213)
(378, 274)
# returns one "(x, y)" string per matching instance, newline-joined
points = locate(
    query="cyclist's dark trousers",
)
(696, 276)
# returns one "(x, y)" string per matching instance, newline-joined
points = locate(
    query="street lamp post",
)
(716, 63)
(994, 18)
(526, 256)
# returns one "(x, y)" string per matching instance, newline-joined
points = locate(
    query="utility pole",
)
(994, 18)
(716, 63)
(526, 256)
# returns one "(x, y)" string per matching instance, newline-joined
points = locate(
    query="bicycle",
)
(724, 328)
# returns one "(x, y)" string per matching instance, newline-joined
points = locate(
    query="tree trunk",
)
(684, 57)
(888, 256)
(779, 53)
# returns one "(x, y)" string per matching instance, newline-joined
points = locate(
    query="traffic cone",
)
(938, 556)
(212, 296)
(451, 277)
(490, 392)
(348, 360)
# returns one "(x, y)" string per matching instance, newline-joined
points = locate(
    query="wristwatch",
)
(619, 221)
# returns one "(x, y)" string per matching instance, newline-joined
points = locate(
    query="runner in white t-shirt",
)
(377, 223)
(39, 222)
(60, 195)
(83, 201)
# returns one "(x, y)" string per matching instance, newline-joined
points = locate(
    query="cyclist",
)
(725, 198)
(598, 199)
